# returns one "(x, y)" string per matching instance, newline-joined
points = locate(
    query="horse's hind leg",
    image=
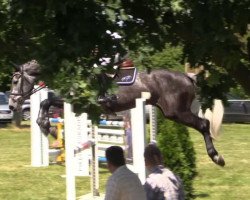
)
(202, 125)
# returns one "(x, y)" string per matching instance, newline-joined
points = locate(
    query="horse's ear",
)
(16, 66)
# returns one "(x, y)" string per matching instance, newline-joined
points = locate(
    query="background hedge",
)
(178, 152)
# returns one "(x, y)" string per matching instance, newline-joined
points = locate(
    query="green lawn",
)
(233, 181)
(19, 181)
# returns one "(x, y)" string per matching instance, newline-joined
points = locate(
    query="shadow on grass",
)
(24, 126)
(201, 195)
(3, 125)
(14, 126)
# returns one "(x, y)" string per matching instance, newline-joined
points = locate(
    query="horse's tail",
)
(215, 117)
(218, 112)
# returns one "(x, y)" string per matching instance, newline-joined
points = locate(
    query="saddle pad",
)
(126, 76)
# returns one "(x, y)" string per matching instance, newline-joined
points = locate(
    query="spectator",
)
(162, 183)
(123, 184)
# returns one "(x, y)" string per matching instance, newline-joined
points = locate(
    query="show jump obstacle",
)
(84, 143)
(75, 131)
(139, 140)
(40, 151)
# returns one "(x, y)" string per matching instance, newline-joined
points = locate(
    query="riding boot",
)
(107, 98)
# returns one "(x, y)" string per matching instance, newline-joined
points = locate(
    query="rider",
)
(104, 78)
(105, 61)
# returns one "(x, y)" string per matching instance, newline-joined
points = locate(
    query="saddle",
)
(126, 74)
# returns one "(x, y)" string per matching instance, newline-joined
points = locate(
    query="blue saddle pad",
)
(126, 76)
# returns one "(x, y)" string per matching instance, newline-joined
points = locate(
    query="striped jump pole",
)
(153, 122)
(76, 131)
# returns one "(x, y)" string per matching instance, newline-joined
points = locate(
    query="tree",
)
(61, 35)
(169, 58)
(178, 152)
(217, 35)
(5, 78)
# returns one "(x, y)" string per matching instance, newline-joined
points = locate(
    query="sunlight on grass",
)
(21, 181)
(232, 181)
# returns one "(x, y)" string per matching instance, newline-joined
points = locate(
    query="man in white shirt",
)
(123, 184)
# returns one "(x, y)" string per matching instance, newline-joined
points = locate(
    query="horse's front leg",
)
(43, 116)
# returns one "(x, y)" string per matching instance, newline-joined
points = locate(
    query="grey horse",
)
(172, 92)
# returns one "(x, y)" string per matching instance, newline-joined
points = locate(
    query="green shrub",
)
(178, 151)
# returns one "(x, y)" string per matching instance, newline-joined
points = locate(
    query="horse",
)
(172, 92)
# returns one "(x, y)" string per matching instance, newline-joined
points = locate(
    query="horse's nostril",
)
(11, 107)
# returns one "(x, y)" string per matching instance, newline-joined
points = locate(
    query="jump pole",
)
(69, 153)
(138, 122)
(77, 164)
(95, 164)
(153, 122)
(39, 142)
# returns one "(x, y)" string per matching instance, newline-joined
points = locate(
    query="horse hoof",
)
(219, 160)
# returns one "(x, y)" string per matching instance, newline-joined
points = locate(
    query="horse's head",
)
(22, 85)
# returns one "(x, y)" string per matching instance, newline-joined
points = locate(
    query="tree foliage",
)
(62, 35)
(216, 34)
(169, 58)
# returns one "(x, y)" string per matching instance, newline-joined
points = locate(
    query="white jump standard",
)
(94, 139)
(39, 142)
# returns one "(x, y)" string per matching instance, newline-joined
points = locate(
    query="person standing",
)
(162, 183)
(123, 184)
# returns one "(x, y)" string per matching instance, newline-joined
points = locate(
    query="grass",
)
(20, 181)
(233, 181)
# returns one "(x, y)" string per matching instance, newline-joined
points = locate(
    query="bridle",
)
(20, 74)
